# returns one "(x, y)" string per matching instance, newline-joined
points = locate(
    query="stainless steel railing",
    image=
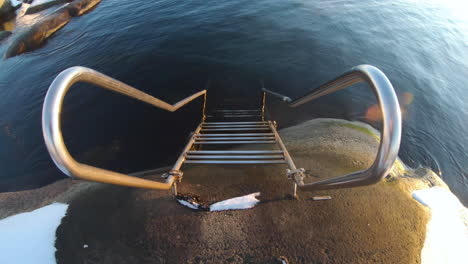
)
(391, 129)
(53, 133)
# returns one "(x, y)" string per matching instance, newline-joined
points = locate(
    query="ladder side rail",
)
(391, 126)
(51, 126)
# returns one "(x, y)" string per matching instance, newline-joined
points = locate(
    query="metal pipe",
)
(287, 157)
(204, 108)
(391, 126)
(51, 126)
(263, 104)
(282, 97)
(189, 144)
(283, 148)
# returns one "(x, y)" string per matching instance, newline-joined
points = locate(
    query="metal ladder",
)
(226, 134)
(223, 129)
(226, 128)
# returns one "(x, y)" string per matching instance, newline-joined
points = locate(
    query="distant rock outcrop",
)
(7, 11)
(35, 36)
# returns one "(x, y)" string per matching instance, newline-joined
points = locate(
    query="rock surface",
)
(375, 224)
(81, 7)
(4, 35)
(35, 37)
(34, 8)
(7, 11)
(37, 34)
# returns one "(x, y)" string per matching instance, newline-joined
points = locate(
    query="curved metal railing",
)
(391, 129)
(53, 133)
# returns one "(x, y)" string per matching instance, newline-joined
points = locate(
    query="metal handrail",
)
(53, 134)
(391, 127)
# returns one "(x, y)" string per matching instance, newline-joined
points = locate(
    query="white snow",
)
(447, 231)
(30, 237)
(242, 202)
(189, 205)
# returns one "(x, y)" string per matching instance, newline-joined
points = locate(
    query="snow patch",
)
(447, 231)
(237, 203)
(30, 237)
(242, 202)
(187, 204)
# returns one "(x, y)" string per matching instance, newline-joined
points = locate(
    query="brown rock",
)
(38, 8)
(39, 33)
(7, 11)
(80, 7)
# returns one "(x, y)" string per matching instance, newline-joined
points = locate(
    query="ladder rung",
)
(234, 138)
(236, 135)
(220, 157)
(236, 142)
(242, 115)
(236, 123)
(237, 126)
(235, 129)
(236, 161)
(225, 152)
(249, 110)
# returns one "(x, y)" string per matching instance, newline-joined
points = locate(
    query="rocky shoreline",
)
(380, 223)
(7, 11)
(34, 36)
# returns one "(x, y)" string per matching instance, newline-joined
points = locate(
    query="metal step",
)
(236, 142)
(236, 129)
(233, 138)
(235, 126)
(235, 157)
(236, 123)
(235, 110)
(225, 152)
(236, 161)
(236, 135)
(236, 116)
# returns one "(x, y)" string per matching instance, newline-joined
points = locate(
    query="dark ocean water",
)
(171, 48)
